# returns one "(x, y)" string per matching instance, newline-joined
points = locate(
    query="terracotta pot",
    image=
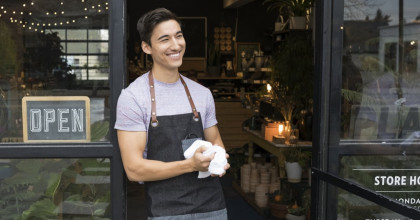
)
(278, 210)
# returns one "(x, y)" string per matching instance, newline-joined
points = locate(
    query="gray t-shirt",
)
(134, 104)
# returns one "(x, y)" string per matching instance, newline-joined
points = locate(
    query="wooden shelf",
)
(250, 199)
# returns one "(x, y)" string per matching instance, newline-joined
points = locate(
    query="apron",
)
(184, 194)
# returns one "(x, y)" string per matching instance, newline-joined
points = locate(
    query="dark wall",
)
(254, 23)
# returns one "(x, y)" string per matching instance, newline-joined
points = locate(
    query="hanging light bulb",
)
(32, 3)
(30, 13)
(24, 5)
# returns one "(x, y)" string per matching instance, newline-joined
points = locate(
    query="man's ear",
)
(146, 48)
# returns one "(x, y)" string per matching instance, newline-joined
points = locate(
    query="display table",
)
(255, 137)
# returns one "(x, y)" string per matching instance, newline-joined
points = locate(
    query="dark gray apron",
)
(184, 194)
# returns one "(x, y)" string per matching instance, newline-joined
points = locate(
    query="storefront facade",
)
(60, 159)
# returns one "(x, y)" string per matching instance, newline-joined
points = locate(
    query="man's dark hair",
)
(151, 19)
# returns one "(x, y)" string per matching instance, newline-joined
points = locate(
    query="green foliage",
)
(296, 211)
(296, 154)
(293, 70)
(293, 7)
(99, 130)
(39, 186)
(9, 58)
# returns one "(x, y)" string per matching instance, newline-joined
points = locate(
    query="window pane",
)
(381, 83)
(76, 34)
(76, 47)
(98, 47)
(354, 207)
(380, 106)
(98, 61)
(55, 188)
(98, 34)
(45, 53)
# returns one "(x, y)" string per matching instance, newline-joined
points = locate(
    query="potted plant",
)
(292, 76)
(295, 160)
(279, 203)
(297, 10)
(296, 212)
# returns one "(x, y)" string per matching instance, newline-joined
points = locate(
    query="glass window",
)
(101, 34)
(53, 48)
(55, 188)
(76, 34)
(77, 47)
(380, 105)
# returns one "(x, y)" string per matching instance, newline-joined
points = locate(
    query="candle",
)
(281, 128)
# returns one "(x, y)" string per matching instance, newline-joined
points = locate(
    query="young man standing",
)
(155, 114)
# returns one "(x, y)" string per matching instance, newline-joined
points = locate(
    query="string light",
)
(59, 20)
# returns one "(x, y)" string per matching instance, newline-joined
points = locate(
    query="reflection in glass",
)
(52, 48)
(55, 188)
(396, 177)
(381, 87)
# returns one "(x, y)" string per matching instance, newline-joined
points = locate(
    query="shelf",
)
(275, 149)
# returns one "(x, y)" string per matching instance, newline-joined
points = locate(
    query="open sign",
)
(56, 118)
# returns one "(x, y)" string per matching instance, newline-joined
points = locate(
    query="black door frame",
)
(109, 149)
(327, 147)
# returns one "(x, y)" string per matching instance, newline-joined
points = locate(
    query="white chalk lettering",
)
(391, 180)
(49, 115)
(35, 120)
(62, 120)
(77, 116)
(414, 180)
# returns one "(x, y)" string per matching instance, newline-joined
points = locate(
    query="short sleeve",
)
(210, 111)
(130, 115)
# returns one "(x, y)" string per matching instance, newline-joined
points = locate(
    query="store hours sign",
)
(56, 119)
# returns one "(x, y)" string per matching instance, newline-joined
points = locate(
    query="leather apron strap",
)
(154, 122)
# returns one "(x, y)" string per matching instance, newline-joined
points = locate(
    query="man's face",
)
(167, 45)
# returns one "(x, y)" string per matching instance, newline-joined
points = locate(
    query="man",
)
(157, 113)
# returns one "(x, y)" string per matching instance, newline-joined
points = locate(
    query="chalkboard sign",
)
(56, 119)
(195, 33)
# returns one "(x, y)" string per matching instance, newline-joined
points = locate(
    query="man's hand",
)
(201, 162)
(227, 166)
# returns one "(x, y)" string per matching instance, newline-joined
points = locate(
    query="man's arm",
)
(132, 145)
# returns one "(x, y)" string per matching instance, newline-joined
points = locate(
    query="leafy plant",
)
(298, 211)
(295, 154)
(292, 76)
(293, 7)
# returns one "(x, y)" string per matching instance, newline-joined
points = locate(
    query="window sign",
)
(56, 119)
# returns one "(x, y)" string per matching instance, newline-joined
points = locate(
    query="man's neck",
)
(165, 75)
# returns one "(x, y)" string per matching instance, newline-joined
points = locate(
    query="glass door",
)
(368, 131)
(59, 158)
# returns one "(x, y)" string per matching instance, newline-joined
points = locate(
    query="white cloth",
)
(217, 165)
